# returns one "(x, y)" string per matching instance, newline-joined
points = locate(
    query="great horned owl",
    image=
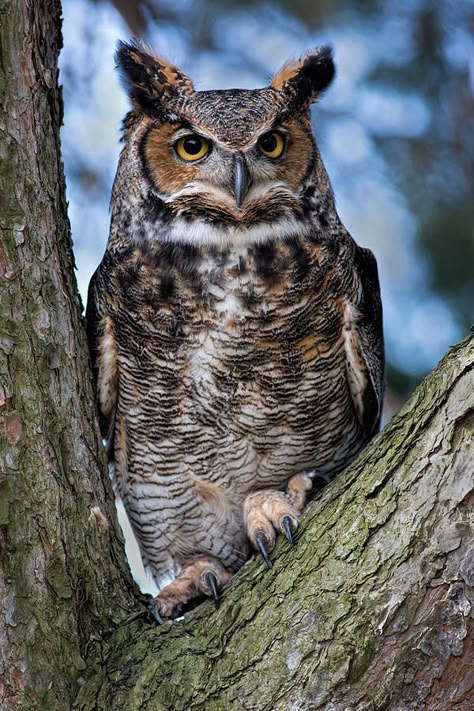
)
(235, 326)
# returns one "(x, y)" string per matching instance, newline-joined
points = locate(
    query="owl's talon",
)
(154, 614)
(269, 511)
(203, 576)
(261, 544)
(211, 582)
(287, 525)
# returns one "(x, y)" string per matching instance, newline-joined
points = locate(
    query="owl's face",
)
(235, 161)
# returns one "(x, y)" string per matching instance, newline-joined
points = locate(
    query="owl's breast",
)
(236, 357)
(227, 327)
(261, 349)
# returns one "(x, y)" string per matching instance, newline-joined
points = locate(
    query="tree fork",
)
(371, 609)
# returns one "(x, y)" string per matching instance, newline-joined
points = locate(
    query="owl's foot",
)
(205, 576)
(269, 511)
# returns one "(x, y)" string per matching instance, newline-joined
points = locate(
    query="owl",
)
(235, 327)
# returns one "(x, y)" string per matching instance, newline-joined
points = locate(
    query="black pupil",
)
(192, 145)
(268, 142)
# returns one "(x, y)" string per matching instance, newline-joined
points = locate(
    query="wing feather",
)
(103, 351)
(366, 361)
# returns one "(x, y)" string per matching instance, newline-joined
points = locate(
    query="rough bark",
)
(62, 573)
(370, 610)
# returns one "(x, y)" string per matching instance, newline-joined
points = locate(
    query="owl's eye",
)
(272, 144)
(192, 147)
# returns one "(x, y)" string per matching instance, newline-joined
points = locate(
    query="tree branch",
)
(370, 610)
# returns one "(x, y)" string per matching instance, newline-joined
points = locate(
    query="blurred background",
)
(395, 131)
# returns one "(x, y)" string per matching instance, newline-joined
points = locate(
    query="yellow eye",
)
(271, 144)
(192, 147)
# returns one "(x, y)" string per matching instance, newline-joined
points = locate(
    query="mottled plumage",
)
(235, 326)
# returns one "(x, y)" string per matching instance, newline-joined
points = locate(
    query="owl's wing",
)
(103, 351)
(364, 343)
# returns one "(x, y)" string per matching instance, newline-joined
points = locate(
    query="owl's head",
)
(236, 163)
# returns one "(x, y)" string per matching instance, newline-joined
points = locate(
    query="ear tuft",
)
(301, 82)
(147, 78)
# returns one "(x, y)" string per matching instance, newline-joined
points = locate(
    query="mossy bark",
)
(371, 609)
(63, 578)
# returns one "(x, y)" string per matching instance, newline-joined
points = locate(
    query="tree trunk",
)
(371, 609)
(63, 577)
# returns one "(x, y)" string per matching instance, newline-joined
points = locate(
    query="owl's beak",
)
(241, 180)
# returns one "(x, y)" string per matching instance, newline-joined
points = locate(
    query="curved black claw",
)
(262, 547)
(286, 524)
(154, 614)
(211, 581)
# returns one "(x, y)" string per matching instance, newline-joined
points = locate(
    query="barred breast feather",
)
(228, 371)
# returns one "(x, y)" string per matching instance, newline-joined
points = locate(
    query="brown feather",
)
(242, 343)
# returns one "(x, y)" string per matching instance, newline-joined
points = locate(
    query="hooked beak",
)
(241, 180)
